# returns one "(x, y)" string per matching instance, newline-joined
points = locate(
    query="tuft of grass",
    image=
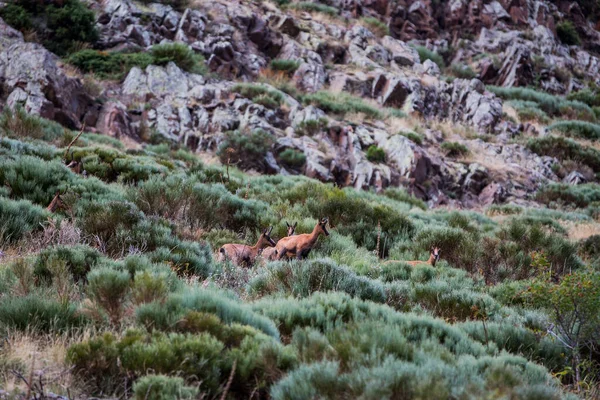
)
(375, 154)
(286, 66)
(415, 137)
(426, 54)
(581, 129)
(315, 8)
(259, 94)
(292, 158)
(341, 104)
(311, 127)
(567, 33)
(376, 26)
(454, 149)
(462, 71)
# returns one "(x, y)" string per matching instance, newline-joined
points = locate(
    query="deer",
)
(270, 253)
(244, 255)
(75, 166)
(299, 246)
(434, 256)
(56, 203)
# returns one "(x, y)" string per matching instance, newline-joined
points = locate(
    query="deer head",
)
(322, 226)
(435, 253)
(265, 239)
(291, 229)
(56, 203)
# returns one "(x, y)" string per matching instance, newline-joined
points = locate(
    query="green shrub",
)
(454, 149)
(109, 65)
(163, 315)
(39, 314)
(259, 94)
(403, 196)
(587, 96)
(550, 104)
(78, 259)
(69, 24)
(315, 7)
(375, 154)
(415, 137)
(16, 16)
(590, 247)
(245, 150)
(462, 71)
(376, 26)
(561, 194)
(567, 33)
(311, 127)
(582, 129)
(287, 66)
(341, 104)
(426, 54)
(180, 54)
(18, 218)
(529, 111)
(304, 278)
(566, 149)
(161, 387)
(292, 158)
(109, 289)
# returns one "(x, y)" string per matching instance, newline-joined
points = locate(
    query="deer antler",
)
(73, 141)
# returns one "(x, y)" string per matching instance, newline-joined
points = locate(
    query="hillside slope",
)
(138, 138)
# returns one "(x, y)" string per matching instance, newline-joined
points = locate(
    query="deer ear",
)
(270, 230)
(295, 224)
(287, 224)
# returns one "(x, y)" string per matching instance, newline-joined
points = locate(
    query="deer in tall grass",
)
(56, 203)
(299, 246)
(434, 256)
(270, 253)
(244, 255)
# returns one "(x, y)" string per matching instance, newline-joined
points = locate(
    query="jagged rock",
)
(225, 119)
(357, 83)
(268, 41)
(431, 68)
(472, 104)
(286, 24)
(310, 113)
(115, 121)
(395, 93)
(495, 12)
(8, 35)
(32, 77)
(516, 69)
(575, 178)
(401, 53)
(476, 179)
(310, 77)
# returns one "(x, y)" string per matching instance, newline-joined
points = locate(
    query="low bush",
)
(107, 65)
(302, 279)
(311, 127)
(286, 66)
(566, 149)
(18, 123)
(454, 149)
(579, 196)
(426, 54)
(78, 259)
(16, 16)
(180, 54)
(245, 150)
(259, 94)
(292, 158)
(341, 104)
(34, 313)
(567, 33)
(109, 289)
(581, 129)
(375, 154)
(590, 247)
(162, 387)
(18, 218)
(462, 71)
(413, 136)
(315, 7)
(376, 26)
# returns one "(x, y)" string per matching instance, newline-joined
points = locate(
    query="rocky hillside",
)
(429, 95)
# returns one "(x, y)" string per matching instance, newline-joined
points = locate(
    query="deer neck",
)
(53, 205)
(431, 260)
(314, 235)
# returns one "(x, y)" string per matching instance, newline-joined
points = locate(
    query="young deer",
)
(270, 253)
(75, 166)
(434, 256)
(56, 203)
(300, 245)
(244, 255)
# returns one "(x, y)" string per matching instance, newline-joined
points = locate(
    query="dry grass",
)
(41, 361)
(581, 230)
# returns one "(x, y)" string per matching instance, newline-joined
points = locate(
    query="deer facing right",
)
(300, 245)
(270, 253)
(434, 256)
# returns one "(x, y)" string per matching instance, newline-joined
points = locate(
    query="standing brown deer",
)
(56, 203)
(270, 253)
(244, 255)
(299, 246)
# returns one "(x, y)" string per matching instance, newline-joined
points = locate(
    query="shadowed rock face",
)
(504, 43)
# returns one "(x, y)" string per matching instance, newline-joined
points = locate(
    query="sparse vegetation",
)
(245, 150)
(454, 149)
(426, 54)
(341, 104)
(315, 7)
(376, 26)
(580, 129)
(375, 154)
(462, 71)
(292, 158)
(567, 33)
(286, 66)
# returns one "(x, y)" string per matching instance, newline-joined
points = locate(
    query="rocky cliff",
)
(369, 93)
